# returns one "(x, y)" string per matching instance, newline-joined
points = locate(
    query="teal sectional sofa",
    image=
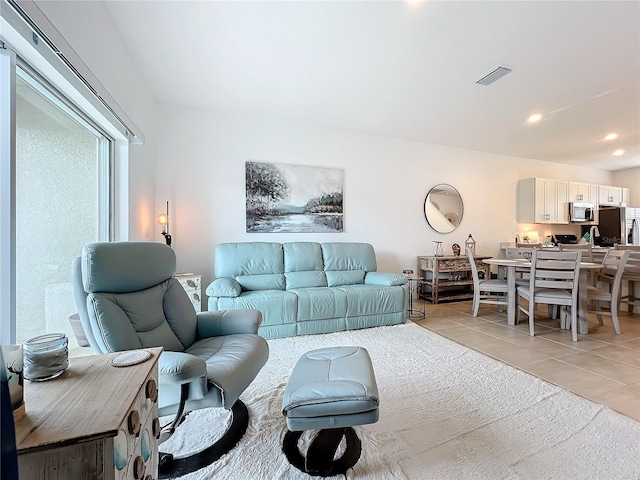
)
(307, 287)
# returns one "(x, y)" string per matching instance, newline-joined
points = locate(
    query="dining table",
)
(510, 266)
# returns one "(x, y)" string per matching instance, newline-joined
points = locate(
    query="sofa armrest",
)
(384, 279)
(228, 322)
(224, 287)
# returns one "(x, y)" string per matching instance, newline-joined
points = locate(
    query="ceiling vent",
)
(495, 74)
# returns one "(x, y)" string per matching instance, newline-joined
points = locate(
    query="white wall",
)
(629, 178)
(200, 161)
(195, 159)
(88, 28)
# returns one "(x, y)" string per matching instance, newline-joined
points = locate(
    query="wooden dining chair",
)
(607, 287)
(486, 290)
(585, 248)
(632, 275)
(520, 253)
(522, 274)
(537, 246)
(554, 281)
(587, 254)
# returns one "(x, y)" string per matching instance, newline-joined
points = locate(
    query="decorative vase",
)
(438, 251)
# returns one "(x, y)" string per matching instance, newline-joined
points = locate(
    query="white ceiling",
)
(387, 68)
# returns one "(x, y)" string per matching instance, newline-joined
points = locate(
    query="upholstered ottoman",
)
(330, 390)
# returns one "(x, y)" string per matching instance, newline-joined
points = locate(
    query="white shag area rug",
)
(446, 412)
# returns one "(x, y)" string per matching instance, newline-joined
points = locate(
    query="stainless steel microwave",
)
(581, 212)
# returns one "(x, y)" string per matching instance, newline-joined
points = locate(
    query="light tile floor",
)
(601, 366)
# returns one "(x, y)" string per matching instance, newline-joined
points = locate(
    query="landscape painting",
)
(293, 198)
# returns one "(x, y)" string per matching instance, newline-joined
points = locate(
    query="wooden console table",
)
(459, 282)
(95, 421)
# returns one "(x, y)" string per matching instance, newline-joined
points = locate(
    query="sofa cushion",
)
(348, 256)
(302, 257)
(305, 279)
(348, 277)
(261, 282)
(248, 258)
(277, 306)
(320, 303)
(374, 300)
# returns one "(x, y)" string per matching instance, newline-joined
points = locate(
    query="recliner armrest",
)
(180, 367)
(384, 279)
(228, 322)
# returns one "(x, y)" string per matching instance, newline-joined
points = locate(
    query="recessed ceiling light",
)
(536, 117)
(611, 136)
(618, 152)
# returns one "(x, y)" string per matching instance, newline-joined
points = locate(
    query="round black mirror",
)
(443, 208)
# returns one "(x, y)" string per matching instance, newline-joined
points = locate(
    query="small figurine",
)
(456, 249)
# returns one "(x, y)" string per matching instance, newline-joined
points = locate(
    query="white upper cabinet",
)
(583, 192)
(609, 195)
(562, 202)
(545, 200)
(542, 200)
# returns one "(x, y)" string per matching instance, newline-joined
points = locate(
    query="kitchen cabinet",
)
(583, 192)
(545, 200)
(542, 200)
(609, 195)
(562, 202)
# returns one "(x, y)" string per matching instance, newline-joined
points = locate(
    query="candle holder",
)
(46, 357)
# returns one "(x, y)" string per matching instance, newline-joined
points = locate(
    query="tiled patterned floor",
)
(601, 366)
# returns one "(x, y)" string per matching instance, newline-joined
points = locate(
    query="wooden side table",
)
(458, 281)
(94, 421)
(192, 284)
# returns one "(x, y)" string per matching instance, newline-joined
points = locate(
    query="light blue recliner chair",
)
(128, 299)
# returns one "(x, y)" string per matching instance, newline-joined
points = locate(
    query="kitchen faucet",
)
(593, 232)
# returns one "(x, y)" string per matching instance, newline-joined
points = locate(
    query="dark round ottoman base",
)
(319, 460)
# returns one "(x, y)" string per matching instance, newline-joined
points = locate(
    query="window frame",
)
(14, 46)
(106, 151)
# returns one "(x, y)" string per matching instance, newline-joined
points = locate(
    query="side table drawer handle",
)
(133, 423)
(138, 468)
(152, 390)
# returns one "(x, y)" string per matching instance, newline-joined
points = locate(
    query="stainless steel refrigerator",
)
(618, 225)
